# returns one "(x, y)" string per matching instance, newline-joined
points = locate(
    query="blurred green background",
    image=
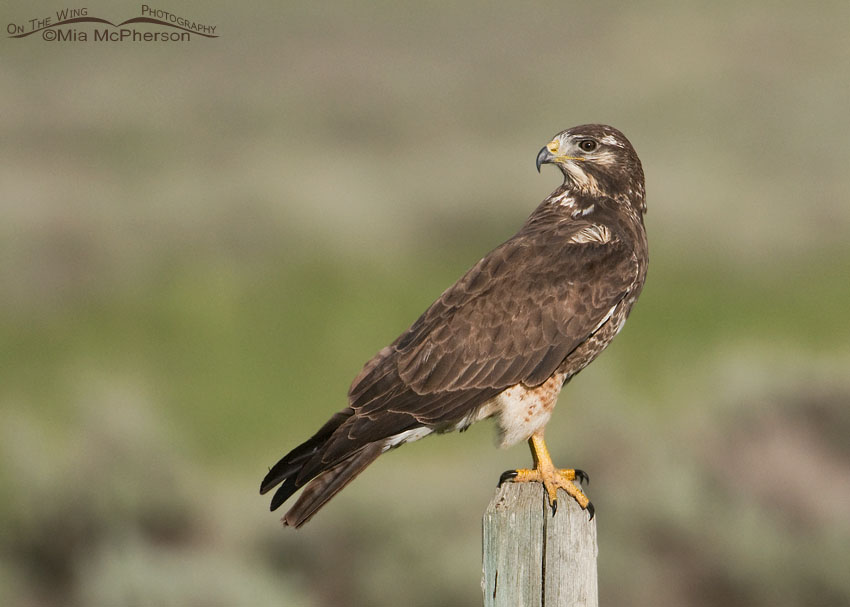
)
(203, 242)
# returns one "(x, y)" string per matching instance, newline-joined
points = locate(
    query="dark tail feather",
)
(292, 462)
(325, 485)
(304, 464)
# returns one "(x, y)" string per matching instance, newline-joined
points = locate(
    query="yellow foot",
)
(551, 477)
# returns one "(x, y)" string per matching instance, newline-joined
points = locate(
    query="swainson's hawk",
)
(504, 339)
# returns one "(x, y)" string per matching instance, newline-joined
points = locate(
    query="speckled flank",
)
(523, 410)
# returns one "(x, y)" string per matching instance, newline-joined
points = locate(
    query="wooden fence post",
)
(535, 559)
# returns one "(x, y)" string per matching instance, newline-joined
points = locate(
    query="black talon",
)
(590, 509)
(582, 477)
(506, 476)
(554, 507)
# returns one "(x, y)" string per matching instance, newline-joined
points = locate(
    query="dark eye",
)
(587, 145)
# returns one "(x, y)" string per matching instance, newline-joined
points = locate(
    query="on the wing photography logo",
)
(77, 25)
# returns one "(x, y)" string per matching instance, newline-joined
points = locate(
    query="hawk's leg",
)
(552, 478)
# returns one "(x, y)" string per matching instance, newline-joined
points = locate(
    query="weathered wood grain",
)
(535, 559)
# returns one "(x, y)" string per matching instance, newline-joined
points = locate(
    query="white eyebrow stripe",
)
(611, 140)
(596, 233)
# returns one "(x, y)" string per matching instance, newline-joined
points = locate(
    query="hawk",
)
(503, 340)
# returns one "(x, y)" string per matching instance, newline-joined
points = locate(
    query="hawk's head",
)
(597, 159)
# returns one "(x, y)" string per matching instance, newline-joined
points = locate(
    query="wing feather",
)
(519, 328)
(513, 318)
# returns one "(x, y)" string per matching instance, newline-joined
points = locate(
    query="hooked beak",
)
(547, 154)
(543, 157)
